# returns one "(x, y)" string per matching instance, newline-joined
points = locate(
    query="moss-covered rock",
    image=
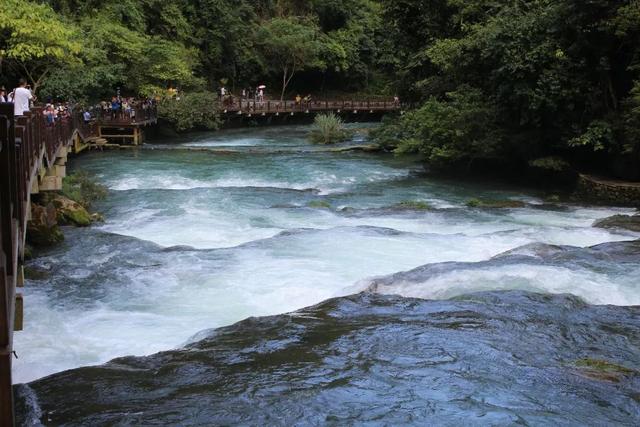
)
(319, 204)
(413, 205)
(604, 370)
(627, 222)
(33, 273)
(28, 252)
(498, 204)
(69, 212)
(42, 229)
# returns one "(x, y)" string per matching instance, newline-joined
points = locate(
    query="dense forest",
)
(492, 83)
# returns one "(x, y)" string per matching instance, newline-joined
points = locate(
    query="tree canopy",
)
(509, 81)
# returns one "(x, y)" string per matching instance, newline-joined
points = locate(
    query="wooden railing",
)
(26, 143)
(251, 106)
(137, 116)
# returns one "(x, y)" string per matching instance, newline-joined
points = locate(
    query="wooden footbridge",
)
(33, 156)
(252, 108)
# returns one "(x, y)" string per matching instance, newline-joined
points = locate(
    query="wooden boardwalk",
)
(270, 107)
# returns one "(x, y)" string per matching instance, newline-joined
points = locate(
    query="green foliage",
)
(290, 45)
(551, 163)
(82, 188)
(459, 128)
(553, 76)
(597, 136)
(192, 110)
(328, 129)
(35, 39)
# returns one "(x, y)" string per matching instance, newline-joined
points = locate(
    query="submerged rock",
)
(493, 358)
(417, 205)
(628, 222)
(477, 203)
(35, 273)
(319, 204)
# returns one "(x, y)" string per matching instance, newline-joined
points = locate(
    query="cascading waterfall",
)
(214, 229)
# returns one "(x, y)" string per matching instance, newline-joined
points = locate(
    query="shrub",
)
(551, 163)
(82, 188)
(457, 129)
(195, 110)
(328, 129)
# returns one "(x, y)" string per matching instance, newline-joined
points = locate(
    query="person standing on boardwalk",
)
(21, 98)
(115, 107)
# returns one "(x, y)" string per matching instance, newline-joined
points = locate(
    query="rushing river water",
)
(260, 222)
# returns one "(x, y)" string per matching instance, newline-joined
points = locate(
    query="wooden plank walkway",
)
(288, 107)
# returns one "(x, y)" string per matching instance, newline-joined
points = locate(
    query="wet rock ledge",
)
(492, 358)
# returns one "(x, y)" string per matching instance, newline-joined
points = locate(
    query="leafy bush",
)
(81, 188)
(459, 128)
(551, 163)
(196, 110)
(328, 129)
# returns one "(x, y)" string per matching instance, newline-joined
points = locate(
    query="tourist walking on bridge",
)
(21, 98)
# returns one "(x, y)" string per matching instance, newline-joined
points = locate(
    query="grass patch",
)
(82, 188)
(328, 129)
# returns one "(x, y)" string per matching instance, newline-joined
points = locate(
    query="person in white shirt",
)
(21, 98)
(3, 94)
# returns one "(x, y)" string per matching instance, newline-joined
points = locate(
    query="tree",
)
(291, 45)
(35, 39)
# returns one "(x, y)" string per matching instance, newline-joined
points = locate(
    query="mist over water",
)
(260, 222)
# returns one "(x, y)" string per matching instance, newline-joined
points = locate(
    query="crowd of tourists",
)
(122, 108)
(118, 108)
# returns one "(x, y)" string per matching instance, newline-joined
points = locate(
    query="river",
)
(214, 228)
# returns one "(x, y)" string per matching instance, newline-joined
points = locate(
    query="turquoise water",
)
(260, 222)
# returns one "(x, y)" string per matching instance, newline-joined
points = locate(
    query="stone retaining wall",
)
(614, 192)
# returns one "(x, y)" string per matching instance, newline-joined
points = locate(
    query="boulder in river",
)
(69, 212)
(627, 222)
(477, 203)
(42, 228)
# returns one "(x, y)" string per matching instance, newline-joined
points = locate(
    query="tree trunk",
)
(284, 83)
